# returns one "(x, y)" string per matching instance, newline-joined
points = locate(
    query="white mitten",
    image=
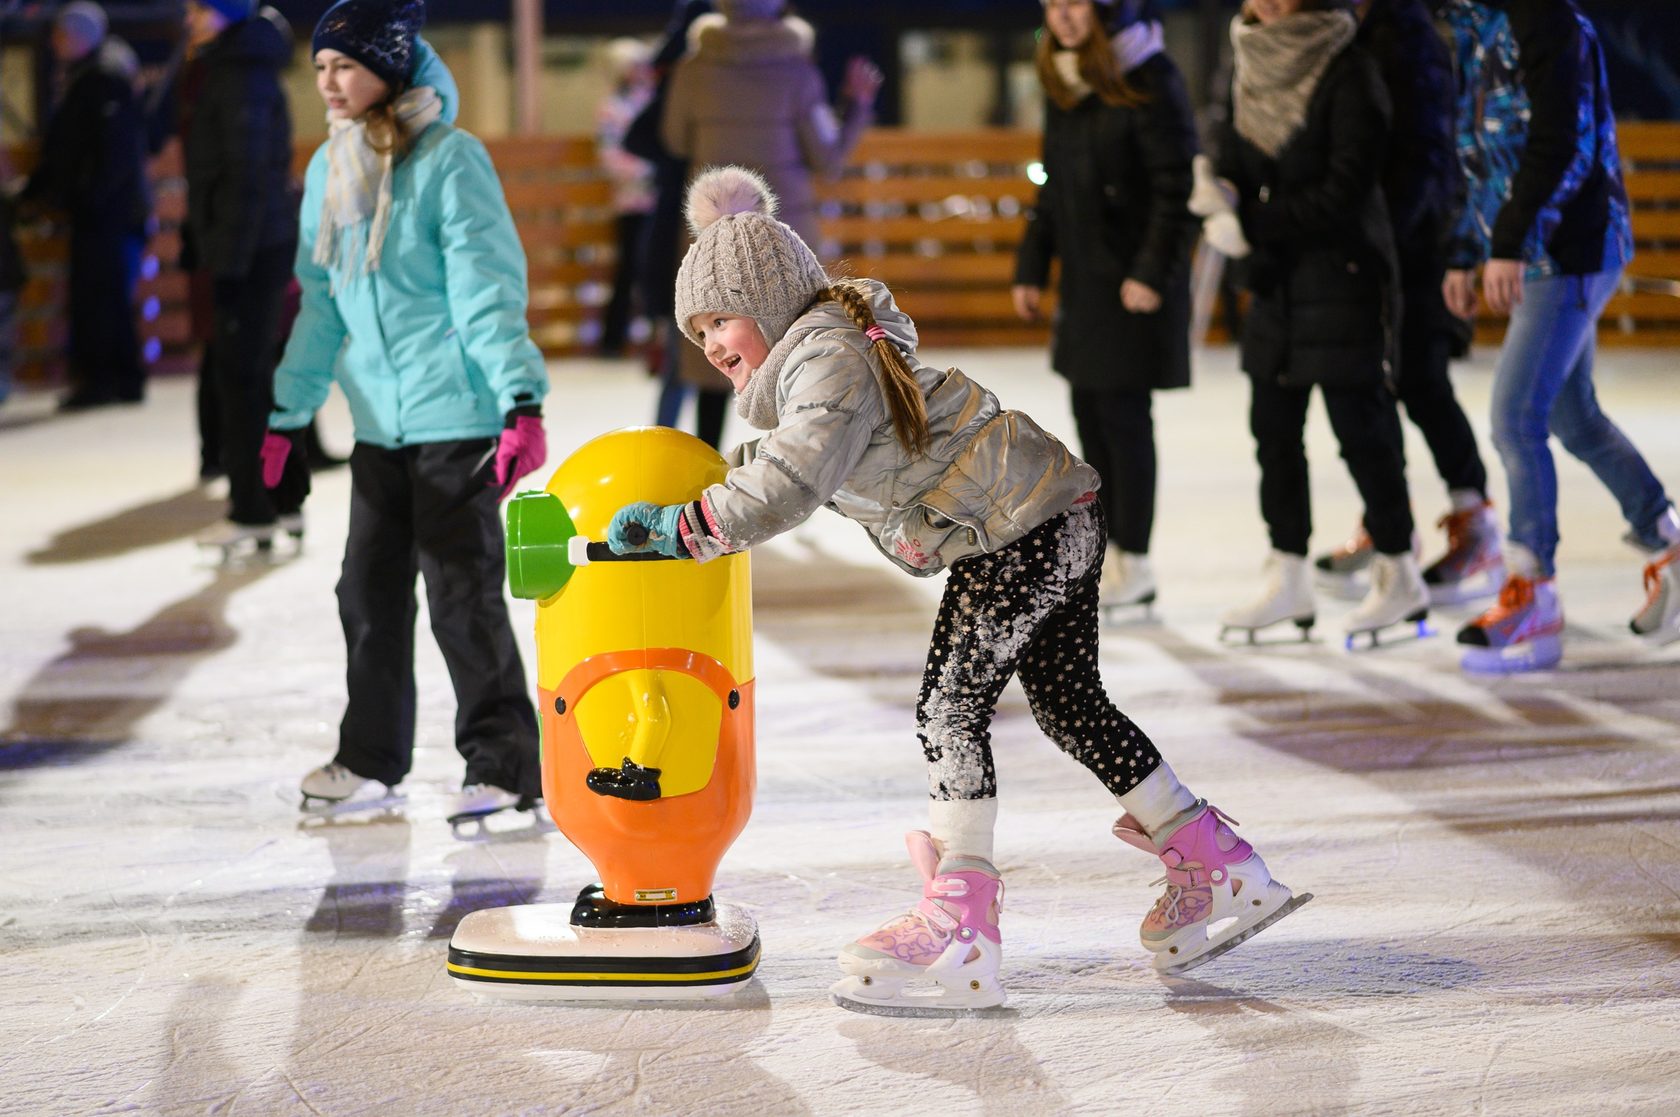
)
(1209, 194)
(1223, 232)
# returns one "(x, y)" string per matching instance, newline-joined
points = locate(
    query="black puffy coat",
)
(1323, 271)
(1422, 164)
(238, 150)
(93, 153)
(1112, 207)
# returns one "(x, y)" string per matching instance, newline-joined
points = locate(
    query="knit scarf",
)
(756, 402)
(1277, 68)
(358, 193)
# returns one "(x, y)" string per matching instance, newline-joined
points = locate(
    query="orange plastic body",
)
(650, 661)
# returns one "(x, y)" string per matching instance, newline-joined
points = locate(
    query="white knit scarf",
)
(358, 194)
(1277, 68)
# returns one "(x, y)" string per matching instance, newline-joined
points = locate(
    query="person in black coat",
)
(1119, 137)
(1309, 137)
(241, 231)
(1418, 185)
(93, 171)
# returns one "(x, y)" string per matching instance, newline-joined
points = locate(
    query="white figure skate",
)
(478, 801)
(229, 542)
(1398, 596)
(1342, 572)
(332, 790)
(1218, 895)
(1286, 596)
(1128, 583)
(950, 940)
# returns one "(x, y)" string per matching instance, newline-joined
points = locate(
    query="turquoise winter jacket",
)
(433, 346)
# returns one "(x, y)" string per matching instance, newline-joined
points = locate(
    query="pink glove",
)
(275, 447)
(522, 449)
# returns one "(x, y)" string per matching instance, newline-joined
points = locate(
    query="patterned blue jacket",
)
(1536, 137)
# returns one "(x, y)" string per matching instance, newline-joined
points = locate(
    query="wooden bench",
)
(936, 215)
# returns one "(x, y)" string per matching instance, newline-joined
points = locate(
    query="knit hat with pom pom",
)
(743, 261)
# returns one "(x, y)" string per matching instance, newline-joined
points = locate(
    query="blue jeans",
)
(1543, 385)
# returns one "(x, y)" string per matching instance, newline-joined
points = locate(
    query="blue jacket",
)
(1536, 141)
(433, 346)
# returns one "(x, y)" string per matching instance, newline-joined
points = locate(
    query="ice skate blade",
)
(1374, 638)
(1117, 614)
(472, 826)
(985, 1002)
(1304, 625)
(321, 811)
(1231, 943)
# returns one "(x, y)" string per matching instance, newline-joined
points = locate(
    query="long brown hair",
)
(386, 133)
(1097, 66)
(904, 395)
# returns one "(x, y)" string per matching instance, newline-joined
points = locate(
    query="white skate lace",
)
(1173, 895)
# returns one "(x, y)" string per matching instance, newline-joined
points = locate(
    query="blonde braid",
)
(904, 395)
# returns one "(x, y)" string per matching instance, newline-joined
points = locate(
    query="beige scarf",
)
(358, 194)
(1277, 68)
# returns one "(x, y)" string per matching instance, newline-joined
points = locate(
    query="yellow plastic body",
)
(650, 661)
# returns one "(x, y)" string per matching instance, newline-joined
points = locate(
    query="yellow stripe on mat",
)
(666, 978)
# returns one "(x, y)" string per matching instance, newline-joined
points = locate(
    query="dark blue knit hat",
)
(380, 34)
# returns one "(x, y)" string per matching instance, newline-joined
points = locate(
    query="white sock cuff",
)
(1158, 799)
(963, 826)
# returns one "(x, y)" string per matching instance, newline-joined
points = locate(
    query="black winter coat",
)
(238, 151)
(1112, 207)
(93, 153)
(1323, 271)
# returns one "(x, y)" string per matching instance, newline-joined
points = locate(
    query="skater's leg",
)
(1548, 331)
(1277, 417)
(1117, 438)
(711, 408)
(1367, 426)
(1587, 433)
(1059, 671)
(1426, 389)
(458, 533)
(247, 321)
(377, 607)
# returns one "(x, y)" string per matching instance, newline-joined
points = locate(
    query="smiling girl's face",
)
(732, 343)
(349, 88)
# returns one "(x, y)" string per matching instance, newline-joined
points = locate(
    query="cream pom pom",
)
(722, 191)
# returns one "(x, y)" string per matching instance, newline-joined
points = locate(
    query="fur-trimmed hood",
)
(719, 38)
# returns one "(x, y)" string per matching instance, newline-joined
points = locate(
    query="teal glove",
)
(659, 529)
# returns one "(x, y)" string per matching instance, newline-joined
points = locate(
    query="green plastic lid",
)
(538, 532)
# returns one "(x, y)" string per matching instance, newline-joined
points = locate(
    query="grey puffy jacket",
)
(988, 477)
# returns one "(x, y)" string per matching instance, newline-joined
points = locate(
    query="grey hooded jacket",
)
(988, 477)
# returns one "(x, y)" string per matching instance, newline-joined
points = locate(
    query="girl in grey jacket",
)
(940, 478)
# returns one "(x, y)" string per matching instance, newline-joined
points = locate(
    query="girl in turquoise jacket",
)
(414, 299)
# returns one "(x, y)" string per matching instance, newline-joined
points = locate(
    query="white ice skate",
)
(332, 789)
(292, 524)
(1286, 596)
(230, 542)
(1128, 584)
(1658, 621)
(1398, 596)
(478, 801)
(1218, 895)
(941, 957)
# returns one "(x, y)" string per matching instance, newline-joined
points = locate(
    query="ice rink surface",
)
(1496, 862)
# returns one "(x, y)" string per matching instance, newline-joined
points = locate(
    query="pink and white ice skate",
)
(950, 940)
(1218, 895)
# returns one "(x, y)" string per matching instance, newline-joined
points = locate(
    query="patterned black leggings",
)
(1029, 608)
